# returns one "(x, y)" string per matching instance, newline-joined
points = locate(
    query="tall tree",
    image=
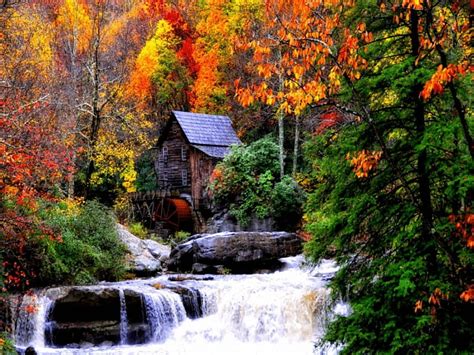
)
(297, 59)
(388, 211)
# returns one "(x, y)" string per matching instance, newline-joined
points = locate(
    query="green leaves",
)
(246, 182)
(90, 250)
(390, 230)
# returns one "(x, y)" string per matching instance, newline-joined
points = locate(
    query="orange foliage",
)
(468, 294)
(418, 306)
(464, 224)
(443, 76)
(206, 85)
(413, 4)
(299, 53)
(364, 161)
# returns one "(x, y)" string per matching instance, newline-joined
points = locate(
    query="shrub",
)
(6, 345)
(137, 229)
(287, 202)
(179, 237)
(90, 249)
(246, 182)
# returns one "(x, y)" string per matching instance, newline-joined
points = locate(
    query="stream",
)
(285, 312)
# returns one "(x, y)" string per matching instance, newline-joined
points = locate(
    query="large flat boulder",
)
(145, 257)
(237, 252)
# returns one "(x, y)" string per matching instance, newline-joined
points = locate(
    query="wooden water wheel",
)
(174, 213)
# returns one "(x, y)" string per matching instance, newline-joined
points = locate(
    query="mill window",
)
(164, 153)
(184, 177)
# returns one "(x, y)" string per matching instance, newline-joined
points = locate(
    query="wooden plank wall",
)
(201, 170)
(169, 171)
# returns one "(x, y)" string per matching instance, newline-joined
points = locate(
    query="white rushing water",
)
(123, 318)
(284, 312)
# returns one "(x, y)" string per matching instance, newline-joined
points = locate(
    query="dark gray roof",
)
(213, 150)
(207, 130)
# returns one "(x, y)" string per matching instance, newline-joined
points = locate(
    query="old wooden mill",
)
(189, 147)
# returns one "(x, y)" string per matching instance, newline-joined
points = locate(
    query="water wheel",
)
(174, 213)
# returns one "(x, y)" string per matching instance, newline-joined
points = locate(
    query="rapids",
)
(284, 312)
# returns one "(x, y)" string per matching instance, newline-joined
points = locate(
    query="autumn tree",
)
(393, 190)
(35, 154)
(298, 60)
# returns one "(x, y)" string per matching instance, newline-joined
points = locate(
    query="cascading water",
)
(31, 321)
(164, 311)
(284, 312)
(123, 318)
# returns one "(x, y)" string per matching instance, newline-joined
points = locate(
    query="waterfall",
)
(260, 309)
(123, 318)
(285, 312)
(164, 311)
(31, 321)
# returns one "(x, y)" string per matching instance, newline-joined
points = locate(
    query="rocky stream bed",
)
(281, 308)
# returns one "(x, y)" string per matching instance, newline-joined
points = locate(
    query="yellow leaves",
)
(364, 161)
(113, 159)
(298, 71)
(334, 79)
(413, 4)
(28, 54)
(129, 176)
(73, 18)
(147, 62)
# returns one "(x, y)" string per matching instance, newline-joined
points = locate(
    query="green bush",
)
(6, 345)
(90, 249)
(137, 229)
(246, 182)
(177, 238)
(287, 201)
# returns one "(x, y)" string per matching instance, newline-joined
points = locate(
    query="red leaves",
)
(216, 179)
(33, 158)
(329, 119)
(31, 309)
(186, 54)
(464, 224)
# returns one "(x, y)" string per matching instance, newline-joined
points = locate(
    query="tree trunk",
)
(424, 188)
(296, 145)
(281, 140)
(96, 109)
(281, 131)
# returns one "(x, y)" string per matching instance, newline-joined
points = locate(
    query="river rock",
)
(223, 221)
(145, 257)
(86, 316)
(239, 252)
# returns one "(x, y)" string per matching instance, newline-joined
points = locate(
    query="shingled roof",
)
(211, 134)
